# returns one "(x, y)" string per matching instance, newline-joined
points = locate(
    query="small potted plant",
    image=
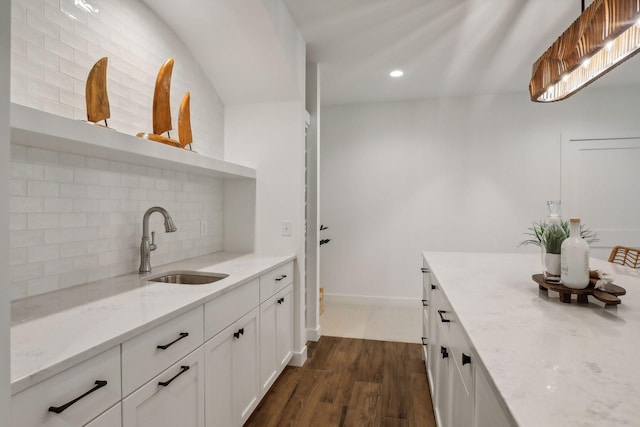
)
(549, 238)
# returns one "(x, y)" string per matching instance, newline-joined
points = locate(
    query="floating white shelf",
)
(35, 128)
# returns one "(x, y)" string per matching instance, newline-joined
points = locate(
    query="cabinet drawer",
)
(275, 280)
(172, 399)
(226, 309)
(151, 352)
(30, 408)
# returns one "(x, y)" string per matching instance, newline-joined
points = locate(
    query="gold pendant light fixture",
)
(606, 34)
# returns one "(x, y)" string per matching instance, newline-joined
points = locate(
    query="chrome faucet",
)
(145, 246)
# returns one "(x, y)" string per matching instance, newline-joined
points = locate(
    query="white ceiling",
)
(445, 47)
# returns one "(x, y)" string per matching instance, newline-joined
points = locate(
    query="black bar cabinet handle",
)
(58, 409)
(433, 286)
(280, 300)
(282, 276)
(425, 303)
(465, 359)
(183, 369)
(166, 346)
(424, 341)
(442, 319)
(444, 352)
(425, 270)
(240, 332)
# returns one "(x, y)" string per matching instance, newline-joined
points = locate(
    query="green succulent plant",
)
(542, 235)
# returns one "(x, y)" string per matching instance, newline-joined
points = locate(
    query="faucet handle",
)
(153, 246)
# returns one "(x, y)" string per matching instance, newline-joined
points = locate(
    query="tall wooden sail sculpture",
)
(162, 112)
(96, 93)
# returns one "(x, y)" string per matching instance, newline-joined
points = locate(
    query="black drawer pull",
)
(240, 332)
(166, 346)
(183, 369)
(59, 409)
(465, 359)
(282, 276)
(424, 341)
(442, 319)
(433, 286)
(444, 352)
(425, 270)
(280, 300)
(425, 303)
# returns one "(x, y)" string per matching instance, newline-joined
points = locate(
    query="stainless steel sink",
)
(188, 277)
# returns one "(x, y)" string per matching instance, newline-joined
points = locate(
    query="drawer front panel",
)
(30, 408)
(226, 309)
(142, 359)
(275, 280)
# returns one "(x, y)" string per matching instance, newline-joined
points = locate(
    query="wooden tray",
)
(609, 295)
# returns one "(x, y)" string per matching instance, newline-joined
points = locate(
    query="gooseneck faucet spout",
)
(145, 246)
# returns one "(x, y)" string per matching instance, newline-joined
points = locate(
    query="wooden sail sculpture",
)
(162, 108)
(184, 122)
(96, 93)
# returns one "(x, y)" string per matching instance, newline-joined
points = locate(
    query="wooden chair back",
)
(624, 255)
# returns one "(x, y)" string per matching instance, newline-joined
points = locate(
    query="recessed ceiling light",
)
(396, 73)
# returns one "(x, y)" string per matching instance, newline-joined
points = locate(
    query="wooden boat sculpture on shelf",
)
(96, 93)
(162, 112)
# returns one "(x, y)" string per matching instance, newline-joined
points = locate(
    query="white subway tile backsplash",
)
(38, 55)
(53, 14)
(73, 161)
(42, 285)
(58, 109)
(85, 205)
(39, 155)
(73, 249)
(58, 266)
(25, 170)
(17, 187)
(23, 31)
(26, 272)
(17, 222)
(57, 235)
(73, 220)
(73, 190)
(18, 256)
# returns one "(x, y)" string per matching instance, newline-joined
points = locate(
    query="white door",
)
(173, 398)
(600, 177)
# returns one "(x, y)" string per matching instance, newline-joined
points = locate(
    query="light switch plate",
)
(286, 228)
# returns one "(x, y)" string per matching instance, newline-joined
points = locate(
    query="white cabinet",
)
(173, 398)
(111, 418)
(276, 336)
(460, 389)
(73, 397)
(231, 359)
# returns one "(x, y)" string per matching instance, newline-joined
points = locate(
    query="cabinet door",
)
(232, 373)
(268, 343)
(173, 398)
(460, 399)
(111, 418)
(284, 324)
(442, 364)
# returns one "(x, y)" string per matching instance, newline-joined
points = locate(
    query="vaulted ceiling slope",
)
(250, 50)
(444, 47)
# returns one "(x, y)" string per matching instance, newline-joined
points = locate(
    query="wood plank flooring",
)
(350, 383)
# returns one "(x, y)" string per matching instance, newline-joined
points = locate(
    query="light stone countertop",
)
(553, 364)
(55, 331)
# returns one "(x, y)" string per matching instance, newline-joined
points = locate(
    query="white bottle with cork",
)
(575, 258)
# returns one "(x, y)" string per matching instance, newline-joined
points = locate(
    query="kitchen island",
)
(547, 363)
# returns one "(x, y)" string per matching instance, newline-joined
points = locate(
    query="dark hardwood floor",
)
(351, 383)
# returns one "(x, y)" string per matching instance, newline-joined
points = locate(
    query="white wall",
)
(5, 12)
(55, 44)
(451, 174)
(270, 138)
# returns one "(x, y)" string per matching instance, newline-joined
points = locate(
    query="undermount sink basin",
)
(188, 277)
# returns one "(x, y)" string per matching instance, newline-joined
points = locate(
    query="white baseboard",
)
(314, 334)
(299, 357)
(370, 300)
